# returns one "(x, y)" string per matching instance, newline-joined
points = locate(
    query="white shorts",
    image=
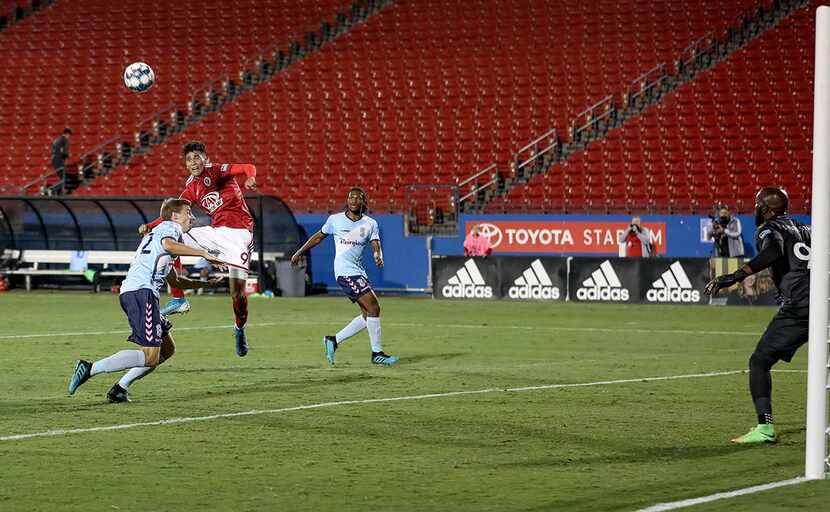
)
(228, 244)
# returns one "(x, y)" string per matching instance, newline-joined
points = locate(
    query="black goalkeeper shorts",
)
(787, 331)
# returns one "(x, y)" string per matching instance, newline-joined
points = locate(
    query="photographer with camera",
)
(637, 241)
(725, 233)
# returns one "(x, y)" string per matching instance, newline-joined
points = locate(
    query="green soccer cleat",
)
(762, 433)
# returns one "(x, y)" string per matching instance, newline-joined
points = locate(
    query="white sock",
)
(134, 374)
(357, 324)
(373, 325)
(118, 361)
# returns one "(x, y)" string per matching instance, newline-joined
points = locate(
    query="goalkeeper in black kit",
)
(783, 247)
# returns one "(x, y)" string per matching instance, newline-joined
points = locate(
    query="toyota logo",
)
(492, 232)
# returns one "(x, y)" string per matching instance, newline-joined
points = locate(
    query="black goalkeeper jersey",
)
(790, 271)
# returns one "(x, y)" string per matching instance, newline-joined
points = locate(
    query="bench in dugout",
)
(106, 266)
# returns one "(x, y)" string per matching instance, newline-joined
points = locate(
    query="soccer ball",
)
(139, 77)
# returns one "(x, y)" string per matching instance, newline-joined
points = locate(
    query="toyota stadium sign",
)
(561, 236)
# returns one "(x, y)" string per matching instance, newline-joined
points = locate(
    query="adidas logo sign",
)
(467, 283)
(673, 286)
(603, 285)
(534, 283)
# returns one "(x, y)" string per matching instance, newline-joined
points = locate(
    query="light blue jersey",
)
(151, 262)
(350, 237)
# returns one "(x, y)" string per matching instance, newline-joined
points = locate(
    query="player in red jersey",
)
(230, 235)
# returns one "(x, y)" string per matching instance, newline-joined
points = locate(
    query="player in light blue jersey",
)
(150, 269)
(353, 231)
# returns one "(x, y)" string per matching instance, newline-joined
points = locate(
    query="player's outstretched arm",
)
(146, 228)
(769, 254)
(185, 283)
(312, 242)
(249, 170)
(179, 249)
(378, 253)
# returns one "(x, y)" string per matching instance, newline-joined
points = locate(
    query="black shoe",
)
(117, 394)
(383, 358)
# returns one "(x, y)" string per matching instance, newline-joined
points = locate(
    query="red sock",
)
(240, 310)
(175, 292)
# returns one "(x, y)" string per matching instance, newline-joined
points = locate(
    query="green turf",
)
(606, 447)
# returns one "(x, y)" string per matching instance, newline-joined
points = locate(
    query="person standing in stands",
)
(60, 152)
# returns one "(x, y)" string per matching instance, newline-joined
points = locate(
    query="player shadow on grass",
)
(646, 455)
(278, 385)
(427, 357)
(241, 369)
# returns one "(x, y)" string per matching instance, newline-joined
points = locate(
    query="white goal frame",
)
(815, 460)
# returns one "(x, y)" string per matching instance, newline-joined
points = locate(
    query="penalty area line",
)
(323, 405)
(661, 507)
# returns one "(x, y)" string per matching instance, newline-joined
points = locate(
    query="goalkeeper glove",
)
(724, 281)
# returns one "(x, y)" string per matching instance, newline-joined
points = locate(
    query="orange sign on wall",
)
(562, 236)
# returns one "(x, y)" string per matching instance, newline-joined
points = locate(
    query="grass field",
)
(608, 446)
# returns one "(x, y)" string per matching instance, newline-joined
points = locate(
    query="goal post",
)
(817, 374)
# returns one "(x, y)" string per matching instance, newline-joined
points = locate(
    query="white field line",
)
(400, 324)
(323, 405)
(660, 507)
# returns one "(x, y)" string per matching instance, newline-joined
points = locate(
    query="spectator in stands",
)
(60, 152)
(477, 244)
(637, 240)
(725, 233)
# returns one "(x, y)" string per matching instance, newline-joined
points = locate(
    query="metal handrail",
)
(478, 189)
(592, 119)
(607, 99)
(697, 48)
(635, 85)
(645, 82)
(476, 175)
(537, 155)
(537, 140)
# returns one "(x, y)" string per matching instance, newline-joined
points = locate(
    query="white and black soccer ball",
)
(139, 77)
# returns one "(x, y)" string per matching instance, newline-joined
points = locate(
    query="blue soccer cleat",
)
(383, 358)
(176, 306)
(241, 341)
(330, 342)
(82, 374)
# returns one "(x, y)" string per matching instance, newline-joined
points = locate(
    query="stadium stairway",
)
(428, 91)
(711, 136)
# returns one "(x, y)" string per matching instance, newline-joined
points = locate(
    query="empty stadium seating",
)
(428, 91)
(424, 92)
(744, 124)
(63, 65)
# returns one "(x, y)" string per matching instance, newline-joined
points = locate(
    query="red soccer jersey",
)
(219, 194)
